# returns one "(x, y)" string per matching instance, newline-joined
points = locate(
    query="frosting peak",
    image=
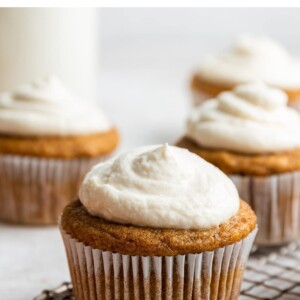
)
(253, 118)
(46, 107)
(159, 163)
(162, 187)
(254, 58)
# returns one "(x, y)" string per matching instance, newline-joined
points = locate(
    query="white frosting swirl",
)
(47, 108)
(253, 118)
(160, 186)
(254, 59)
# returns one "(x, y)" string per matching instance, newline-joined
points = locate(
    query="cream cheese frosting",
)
(252, 118)
(162, 187)
(47, 108)
(253, 59)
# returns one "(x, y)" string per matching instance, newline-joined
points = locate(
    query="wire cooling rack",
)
(63, 292)
(270, 274)
(273, 274)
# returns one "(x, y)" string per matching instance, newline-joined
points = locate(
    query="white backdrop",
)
(147, 56)
(157, 36)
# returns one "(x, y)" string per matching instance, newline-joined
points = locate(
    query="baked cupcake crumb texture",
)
(91, 145)
(132, 240)
(245, 164)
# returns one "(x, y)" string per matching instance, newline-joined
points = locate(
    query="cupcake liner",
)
(214, 275)
(276, 202)
(35, 190)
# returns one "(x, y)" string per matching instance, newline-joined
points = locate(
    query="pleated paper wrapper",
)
(98, 274)
(276, 202)
(35, 190)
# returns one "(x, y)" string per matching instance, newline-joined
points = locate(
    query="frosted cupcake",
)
(49, 139)
(250, 59)
(157, 223)
(252, 136)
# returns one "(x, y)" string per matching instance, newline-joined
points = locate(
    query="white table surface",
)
(149, 106)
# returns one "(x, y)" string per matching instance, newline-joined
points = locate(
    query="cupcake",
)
(157, 223)
(250, 59)
(254, 137)
(49, 139)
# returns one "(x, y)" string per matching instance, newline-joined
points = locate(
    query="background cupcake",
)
(251, 135)
(157, 222)
(250, 59)
(48, 140)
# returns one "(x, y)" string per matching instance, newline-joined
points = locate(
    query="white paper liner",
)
(276, 202)
(211, 275)
(35, 190)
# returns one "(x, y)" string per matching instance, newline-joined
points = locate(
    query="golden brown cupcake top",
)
(199, 84)
(91, 145)
(144, 241)
(245, 164)
(45, 119)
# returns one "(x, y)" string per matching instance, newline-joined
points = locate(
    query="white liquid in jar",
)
(36, 42)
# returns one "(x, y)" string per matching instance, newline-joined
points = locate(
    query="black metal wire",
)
(63, 292)
(274, 275)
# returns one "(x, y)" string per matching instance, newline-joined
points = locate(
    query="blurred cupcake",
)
(48, 141)
(250, 59)
(157, 223)
(252, 136)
